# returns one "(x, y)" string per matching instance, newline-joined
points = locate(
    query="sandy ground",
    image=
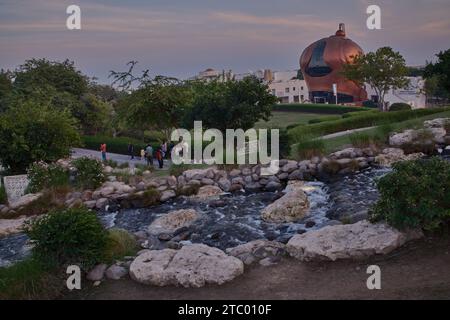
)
(420, 270)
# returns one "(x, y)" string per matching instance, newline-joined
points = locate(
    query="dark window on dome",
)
(317, 66)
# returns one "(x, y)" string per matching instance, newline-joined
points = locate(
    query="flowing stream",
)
(236, 218)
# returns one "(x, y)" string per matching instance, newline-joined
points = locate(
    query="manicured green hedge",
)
(115, 145)
(318, 108)
(365, 120)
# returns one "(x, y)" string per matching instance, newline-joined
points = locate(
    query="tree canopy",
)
(438, 76)
(32, 132)
(230, 105)
(383, 70)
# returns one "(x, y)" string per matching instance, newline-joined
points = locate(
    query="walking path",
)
(119, 158)
(344, 133)
(416, 271)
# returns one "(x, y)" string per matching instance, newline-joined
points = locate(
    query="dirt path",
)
(420, 270)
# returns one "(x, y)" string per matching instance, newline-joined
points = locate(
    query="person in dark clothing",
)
(131, 150)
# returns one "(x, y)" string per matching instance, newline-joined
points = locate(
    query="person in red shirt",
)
(103, 150)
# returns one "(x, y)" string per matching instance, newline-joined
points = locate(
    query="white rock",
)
(24, 200)
(293, 206)
(399, 139)
(206, 192)
(172, 221)
(11, 226)
(354, 241)
(192, 266)
(436, 123)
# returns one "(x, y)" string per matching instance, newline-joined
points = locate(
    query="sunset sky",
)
(182, 37)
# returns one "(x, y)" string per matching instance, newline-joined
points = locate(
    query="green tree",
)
(5, 88)
(157, 103)
(31, 132)
(230, 105)
(438, 76)
(63, 76)
(383, 70)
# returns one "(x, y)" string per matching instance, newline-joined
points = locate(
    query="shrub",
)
(46, 176)
(149, 197)
(424, 186)
(399, 107)
(70, 236)
(111, 163)
(309, 147)
(178, 169)
(120, 243)
(364, 140)
(30, 132)
(331, 167)
(89, 173)
(29, 279)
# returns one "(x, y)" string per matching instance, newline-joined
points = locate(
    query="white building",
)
(288, 88)
(412, 95)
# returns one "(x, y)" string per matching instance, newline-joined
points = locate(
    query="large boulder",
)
(192, 266)
(354, 241)
(24, 201)
(11, 226)
(208, 191)
(389, 156)
(173, 221)
(403, 138)
(436, 123)
(293, 206)
(166, 195)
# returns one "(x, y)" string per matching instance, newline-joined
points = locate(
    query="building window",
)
(296, 99)
(375, 99)
(301, 88)
(293, 88)
(302, 97)
(285, 100)
(286, 90)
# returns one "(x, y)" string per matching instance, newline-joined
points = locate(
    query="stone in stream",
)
(172, 221)
(193, 265)
(293, 206)
(354, 241)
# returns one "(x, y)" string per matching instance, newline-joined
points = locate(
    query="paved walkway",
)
(119, 158)
(344, 133)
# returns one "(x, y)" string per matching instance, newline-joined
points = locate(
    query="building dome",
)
(321, 63)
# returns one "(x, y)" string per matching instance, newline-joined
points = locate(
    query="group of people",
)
(148, 153)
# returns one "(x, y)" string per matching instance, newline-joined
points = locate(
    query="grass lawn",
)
(282, 119)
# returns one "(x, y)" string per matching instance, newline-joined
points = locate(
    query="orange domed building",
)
(321, 64)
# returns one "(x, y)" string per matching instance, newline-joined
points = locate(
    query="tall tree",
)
(438, 76)
(155, 103)
(383, 70)
(230, 105)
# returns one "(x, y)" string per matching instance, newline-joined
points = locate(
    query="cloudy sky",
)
(181, 37)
